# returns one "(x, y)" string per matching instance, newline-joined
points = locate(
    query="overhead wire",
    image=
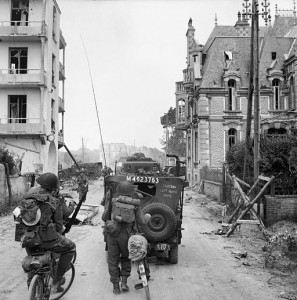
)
(102, 145)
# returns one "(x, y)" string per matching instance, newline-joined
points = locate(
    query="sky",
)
(136, 52)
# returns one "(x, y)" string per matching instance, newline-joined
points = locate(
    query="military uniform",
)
(117, 236)
(83, 185)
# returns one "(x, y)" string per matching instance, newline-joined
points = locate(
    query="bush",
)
(274, 159)
(8, 158)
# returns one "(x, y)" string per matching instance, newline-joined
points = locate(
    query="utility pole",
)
(256, 60)
(82, 149)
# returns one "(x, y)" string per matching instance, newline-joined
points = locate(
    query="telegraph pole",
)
(255, 62)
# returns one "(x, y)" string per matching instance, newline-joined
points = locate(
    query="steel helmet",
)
(125, 188)
(48, 181)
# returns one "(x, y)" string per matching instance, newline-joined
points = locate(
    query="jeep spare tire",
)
(162, 223)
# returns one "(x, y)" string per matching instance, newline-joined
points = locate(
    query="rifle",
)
(70, 223)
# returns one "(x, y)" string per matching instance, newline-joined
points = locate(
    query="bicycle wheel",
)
(147, 293)
(36, 288)
(69, 277)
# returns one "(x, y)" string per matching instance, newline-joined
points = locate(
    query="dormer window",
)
(273, 55)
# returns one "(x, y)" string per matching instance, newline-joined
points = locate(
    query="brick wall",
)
(280, 208)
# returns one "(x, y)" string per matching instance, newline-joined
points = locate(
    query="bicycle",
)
(143, 270)
(40, 287)
(137, 253)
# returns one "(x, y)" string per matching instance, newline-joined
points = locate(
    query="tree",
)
(8, 158)
(174, 140)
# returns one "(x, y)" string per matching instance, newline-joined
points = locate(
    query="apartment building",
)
(32, 77)
(211, 101)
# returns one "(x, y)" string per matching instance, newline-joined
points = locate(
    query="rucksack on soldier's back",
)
(123, 209)
(27, 220)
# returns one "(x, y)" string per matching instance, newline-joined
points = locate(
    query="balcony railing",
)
(179, 87)
(29, 28)
(61, 105)
(21, 76)
(188, 75)
(61, 136)
(21, 126)
(62, 41)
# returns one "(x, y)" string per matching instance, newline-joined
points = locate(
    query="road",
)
(206, 269)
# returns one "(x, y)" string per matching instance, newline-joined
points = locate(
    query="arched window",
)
(181, 111)
(231, 95)
(231, 137)
(292, 94)
(275, 86)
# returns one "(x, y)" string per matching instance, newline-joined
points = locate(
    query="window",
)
(181, 111)
(53, 126)
(273, 55)
(54, 21)
(19, 12)
(196, 147)
(53, 69)
(17, 106)
(18, 60)
(195, 57)
(231, 95)
(275, 86)
(231, 137)
(292, 94)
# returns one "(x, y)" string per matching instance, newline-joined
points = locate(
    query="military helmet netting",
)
(48, 181)
(125, 188)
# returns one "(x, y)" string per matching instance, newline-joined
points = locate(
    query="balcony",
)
(31, 30)
(21, 126)
(179, 87)
(188, 78)
(61, 105)
(61, 71)
(21, 77)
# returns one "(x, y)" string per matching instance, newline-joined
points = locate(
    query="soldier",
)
(83, 184)
(120, 214)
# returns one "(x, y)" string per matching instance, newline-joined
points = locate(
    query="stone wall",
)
(213, 189)
(280, 207)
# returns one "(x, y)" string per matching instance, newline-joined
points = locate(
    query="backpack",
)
(123, 209)
(28, 220)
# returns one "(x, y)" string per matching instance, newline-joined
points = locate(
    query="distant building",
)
(211, 101)
(32, 76)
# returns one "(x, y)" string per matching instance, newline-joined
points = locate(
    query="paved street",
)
(206, 270)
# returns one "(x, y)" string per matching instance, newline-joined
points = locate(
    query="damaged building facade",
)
(32, 75)
(211, 101)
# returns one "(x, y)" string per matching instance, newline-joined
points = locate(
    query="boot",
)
(124, 285)
(116, 288)
(56, 288)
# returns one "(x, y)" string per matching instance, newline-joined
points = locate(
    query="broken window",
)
(275, 86)
(231, 95)
(19, 12)
(231, 137)
(18, 60)
(228, 55)
(17, 108)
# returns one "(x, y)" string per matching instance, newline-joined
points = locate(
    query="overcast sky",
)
(137, 51)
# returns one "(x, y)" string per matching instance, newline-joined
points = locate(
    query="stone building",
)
(211, 101)
(32, 59)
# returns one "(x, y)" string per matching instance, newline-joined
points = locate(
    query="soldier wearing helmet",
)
(118, 228)
(51, 226)
(83, 183)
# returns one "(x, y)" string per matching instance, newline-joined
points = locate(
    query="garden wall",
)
(213, 189)
(280, 207)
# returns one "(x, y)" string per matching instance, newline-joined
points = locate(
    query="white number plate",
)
(145, 179)
(162, 247)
